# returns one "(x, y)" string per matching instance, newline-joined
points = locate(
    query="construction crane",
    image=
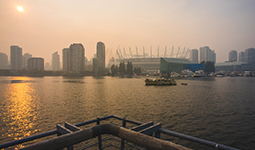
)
(130, 52)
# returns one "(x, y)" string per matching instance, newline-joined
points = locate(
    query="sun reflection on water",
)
(20, 109)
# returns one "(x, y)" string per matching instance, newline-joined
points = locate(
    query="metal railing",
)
(137, 135)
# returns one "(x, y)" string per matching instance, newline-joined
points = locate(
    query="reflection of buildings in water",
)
(20, 109)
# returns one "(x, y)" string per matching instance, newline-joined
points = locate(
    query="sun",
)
(20, 8)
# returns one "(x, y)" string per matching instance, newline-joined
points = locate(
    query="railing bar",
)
(197, 140)
(29, 138)
(128, 120)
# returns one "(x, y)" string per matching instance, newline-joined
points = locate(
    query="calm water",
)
(217, 109)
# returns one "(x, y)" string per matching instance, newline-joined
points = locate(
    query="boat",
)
(199, 73)
(160, 81)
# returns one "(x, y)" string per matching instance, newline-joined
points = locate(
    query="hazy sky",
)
(47, 26)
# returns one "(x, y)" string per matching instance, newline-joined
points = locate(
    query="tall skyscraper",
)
(16, 57)
(3, 61)
(101, 56)
(55, 61)
(194, 55)
(35, 63)
(250, 55)
(66, 60)
(25, 57)
(73, 58)
(232, 56)
(241, 57)
(95, 66)
(77, 57)
(206, 54)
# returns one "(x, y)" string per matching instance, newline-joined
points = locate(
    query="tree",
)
(130, 68)
(113, 70)
(122, 68)
(138, 70)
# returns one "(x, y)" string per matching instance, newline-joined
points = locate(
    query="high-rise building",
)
(25, 57)
(66, 60)
(16, 57)
(101, 56)
(55, 61)
(73, 58)
(250, 55)
(206, 54)
(241, 57)
(35, 63)
(194, 55)
(47, 66)
(95, 66)
(232, 56)
(3, 61)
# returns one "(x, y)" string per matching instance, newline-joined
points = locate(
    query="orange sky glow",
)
(45, 26)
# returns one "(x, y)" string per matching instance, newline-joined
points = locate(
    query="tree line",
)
(125, 69)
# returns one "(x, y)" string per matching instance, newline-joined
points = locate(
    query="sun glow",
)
(20, 8)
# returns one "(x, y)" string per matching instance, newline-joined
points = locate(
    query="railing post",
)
(99, 137)
(122, 140)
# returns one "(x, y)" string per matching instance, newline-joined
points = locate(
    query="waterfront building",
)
(250, 55)
(168, 65)
(101, 56)
(241, 57)
(232, 56)
(206, 54)
(55, 61)
(48, 66)
(25, 57)
(73, 58)
(16, 57)
(77, 57)
(95, 66)
(35, 63)
(3, 61)
(194, 55)
(66, 59)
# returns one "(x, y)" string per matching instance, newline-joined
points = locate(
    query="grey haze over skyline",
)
(45, 27)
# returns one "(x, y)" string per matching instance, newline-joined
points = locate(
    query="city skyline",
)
(44, 27)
